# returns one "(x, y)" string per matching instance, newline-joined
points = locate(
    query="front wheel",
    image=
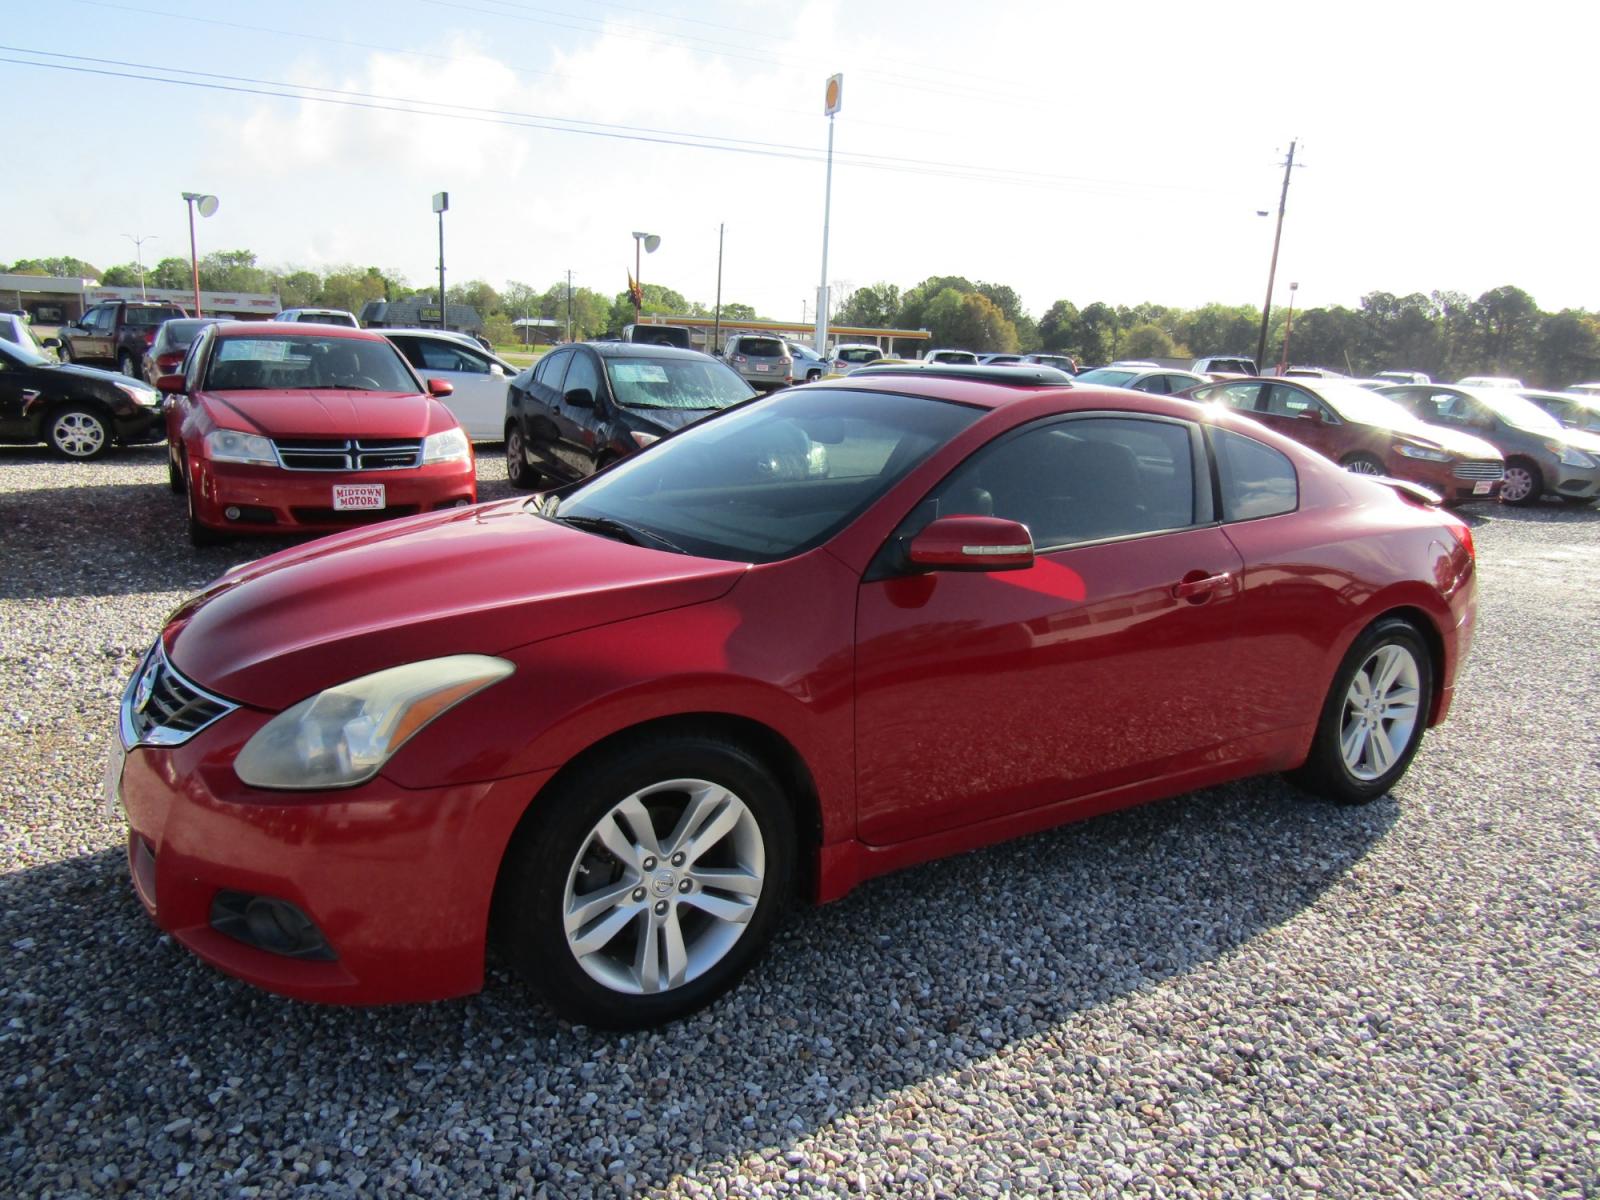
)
(174, 469)
(78, 433)
(518, 471)
(1372, 721)
(1523, 483)
(649, 882)
(1362, 464)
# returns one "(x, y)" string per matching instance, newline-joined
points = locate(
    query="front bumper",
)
(1576, 481)
(398, 881)
(271, 500)
(1447, 478)
(140, 427)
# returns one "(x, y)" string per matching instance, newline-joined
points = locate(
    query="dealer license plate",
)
(1482, 488)
(761, 366)
(357, 497)
(111, 780)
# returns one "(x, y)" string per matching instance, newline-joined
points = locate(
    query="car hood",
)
(1462, 445)
(327, 413)
(95, 373)
(472, 581)
(1578, 439)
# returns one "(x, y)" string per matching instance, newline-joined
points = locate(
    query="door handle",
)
(1197, 588)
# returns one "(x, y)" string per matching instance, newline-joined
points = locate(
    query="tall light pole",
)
(441, 205)
(138, 252)
(1272, 271)
(1288, 329)
(832, 98)
(207, 206)
(650, 242)
(716, 335)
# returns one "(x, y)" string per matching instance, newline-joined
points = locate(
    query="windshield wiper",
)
(611, 527)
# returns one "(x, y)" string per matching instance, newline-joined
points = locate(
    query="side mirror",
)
(963, 543)
(580, 398)
(441, 387)
(172, 385)
(497, 370)
(51, 343)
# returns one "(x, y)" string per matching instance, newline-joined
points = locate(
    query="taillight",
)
(740, 358)
(1462, 532)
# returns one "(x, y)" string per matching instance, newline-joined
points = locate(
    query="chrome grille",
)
(1481, 468)
(162, 708)
(349, 454)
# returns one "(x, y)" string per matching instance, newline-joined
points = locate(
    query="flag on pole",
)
(635, 292)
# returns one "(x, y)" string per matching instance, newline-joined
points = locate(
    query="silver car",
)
(479, 378)
(1542, 456)
(762, 359)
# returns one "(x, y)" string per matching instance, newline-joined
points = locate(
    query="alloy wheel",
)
(1363, 466)
(1380, 711)
(78, 434)
(663, 886)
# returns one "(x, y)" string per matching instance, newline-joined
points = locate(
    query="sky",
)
(1115, 152)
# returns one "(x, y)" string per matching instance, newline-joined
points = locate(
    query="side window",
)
(1152, 383)
(551, 368)
(408, 347)
(440, 356)
(98, 320)
(582, 374)
(1079, 480)
(1257, 481)
(1283, 401)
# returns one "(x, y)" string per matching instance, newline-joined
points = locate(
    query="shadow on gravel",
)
(910, 978)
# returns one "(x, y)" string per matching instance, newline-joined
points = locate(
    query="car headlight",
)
(145, 397)
(1571, 457)
(230, 445)
(448, 445)
(342, 736)
(1426, 453)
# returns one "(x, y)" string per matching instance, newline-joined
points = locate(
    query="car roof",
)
(422, 331)
(995, 385)
(287, 329)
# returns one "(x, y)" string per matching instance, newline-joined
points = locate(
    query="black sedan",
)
(79, 412)
(580, 408)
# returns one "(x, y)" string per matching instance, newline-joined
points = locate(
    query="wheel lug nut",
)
(638, 895)
(661, 908)
(678, 858)
(649, 864)
(685, 886)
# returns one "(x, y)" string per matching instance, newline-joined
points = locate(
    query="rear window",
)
(145, 316)
(860, 354)
(761, 347)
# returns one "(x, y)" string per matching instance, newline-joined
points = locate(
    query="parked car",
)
(319, 316)
(1585, 389)
(848, 357)
(1575, 410)
(283, 428)
(1365, 433)
(1403, 376)
(1541, 456)
(761, 359)
(1303, 372)
(581, 408)
(1143, 379)
(18, 332)
(119, 333)
(615, 730)
(1489, 381)
(478, 379)
(954, 357)
(809, 366)
(998, 360)
(79, 412)
(171, 345)
(1060, 362)
(1225, 364)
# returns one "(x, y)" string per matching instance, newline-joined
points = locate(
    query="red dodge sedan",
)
(821, 636)
(302, 429)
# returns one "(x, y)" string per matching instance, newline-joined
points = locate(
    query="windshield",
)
(307, 361)
(773, 478)
(143, 317)
(1108, 377)
(1514, 410)
(23, 356)
(1355, 403)
(694, 383)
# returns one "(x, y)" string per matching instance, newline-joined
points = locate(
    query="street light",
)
(832, 99)
(138, 250)
(208, 206)
(650, 242)
(1288, 329)
(441, 205)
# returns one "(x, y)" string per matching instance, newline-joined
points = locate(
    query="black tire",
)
(556, 844)
(174, 470)
(1524, 483)
(1363, 464)
(1326, 772)
(78, 432)
(64, 352)
(200, 536)
(129, 366)
(814, 374)
(518, 471)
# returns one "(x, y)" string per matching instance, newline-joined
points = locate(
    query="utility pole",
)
(138, 249)
(569, 304)
(832, 97)
(716, 335)
(1272, 271)
(441, 205)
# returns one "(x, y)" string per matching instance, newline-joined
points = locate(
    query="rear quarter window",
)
(1256, 480)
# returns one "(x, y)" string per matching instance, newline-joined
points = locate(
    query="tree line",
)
(1447, 334)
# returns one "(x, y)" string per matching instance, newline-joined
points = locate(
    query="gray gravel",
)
(1237, 992)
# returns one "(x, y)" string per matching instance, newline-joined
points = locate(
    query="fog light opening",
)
(269, 924)
(231, 512)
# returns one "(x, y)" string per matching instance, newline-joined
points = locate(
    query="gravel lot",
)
(1238, 992)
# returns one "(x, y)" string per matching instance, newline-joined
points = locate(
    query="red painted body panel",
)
(930, 713)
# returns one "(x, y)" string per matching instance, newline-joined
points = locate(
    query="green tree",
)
(657, 299)
(591, 312)
(1219, 329)
(64, 267)
(351, 287)
(233, 271)
(969, 320)
(300, 289)
(1507, 320)
(738, 312)
(1094, 335)
(169, 273)
(1567, 349)
(124, 275)
(877, 304)
(1055, 327)
(478, 294)
(1148, 340)
(914, 303)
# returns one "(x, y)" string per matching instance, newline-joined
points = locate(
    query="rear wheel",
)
(649, 882)
(64, 351)
(517, 469)
(1372, 721)
(1524, 483)
(128, 365)
(78, 432)
(1362, 464)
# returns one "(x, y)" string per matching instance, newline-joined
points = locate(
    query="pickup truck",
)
(118, 333)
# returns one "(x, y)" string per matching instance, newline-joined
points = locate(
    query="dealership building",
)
(55, 301)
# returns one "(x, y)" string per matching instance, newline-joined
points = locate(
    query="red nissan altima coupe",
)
(826, 634)
(306, 428)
